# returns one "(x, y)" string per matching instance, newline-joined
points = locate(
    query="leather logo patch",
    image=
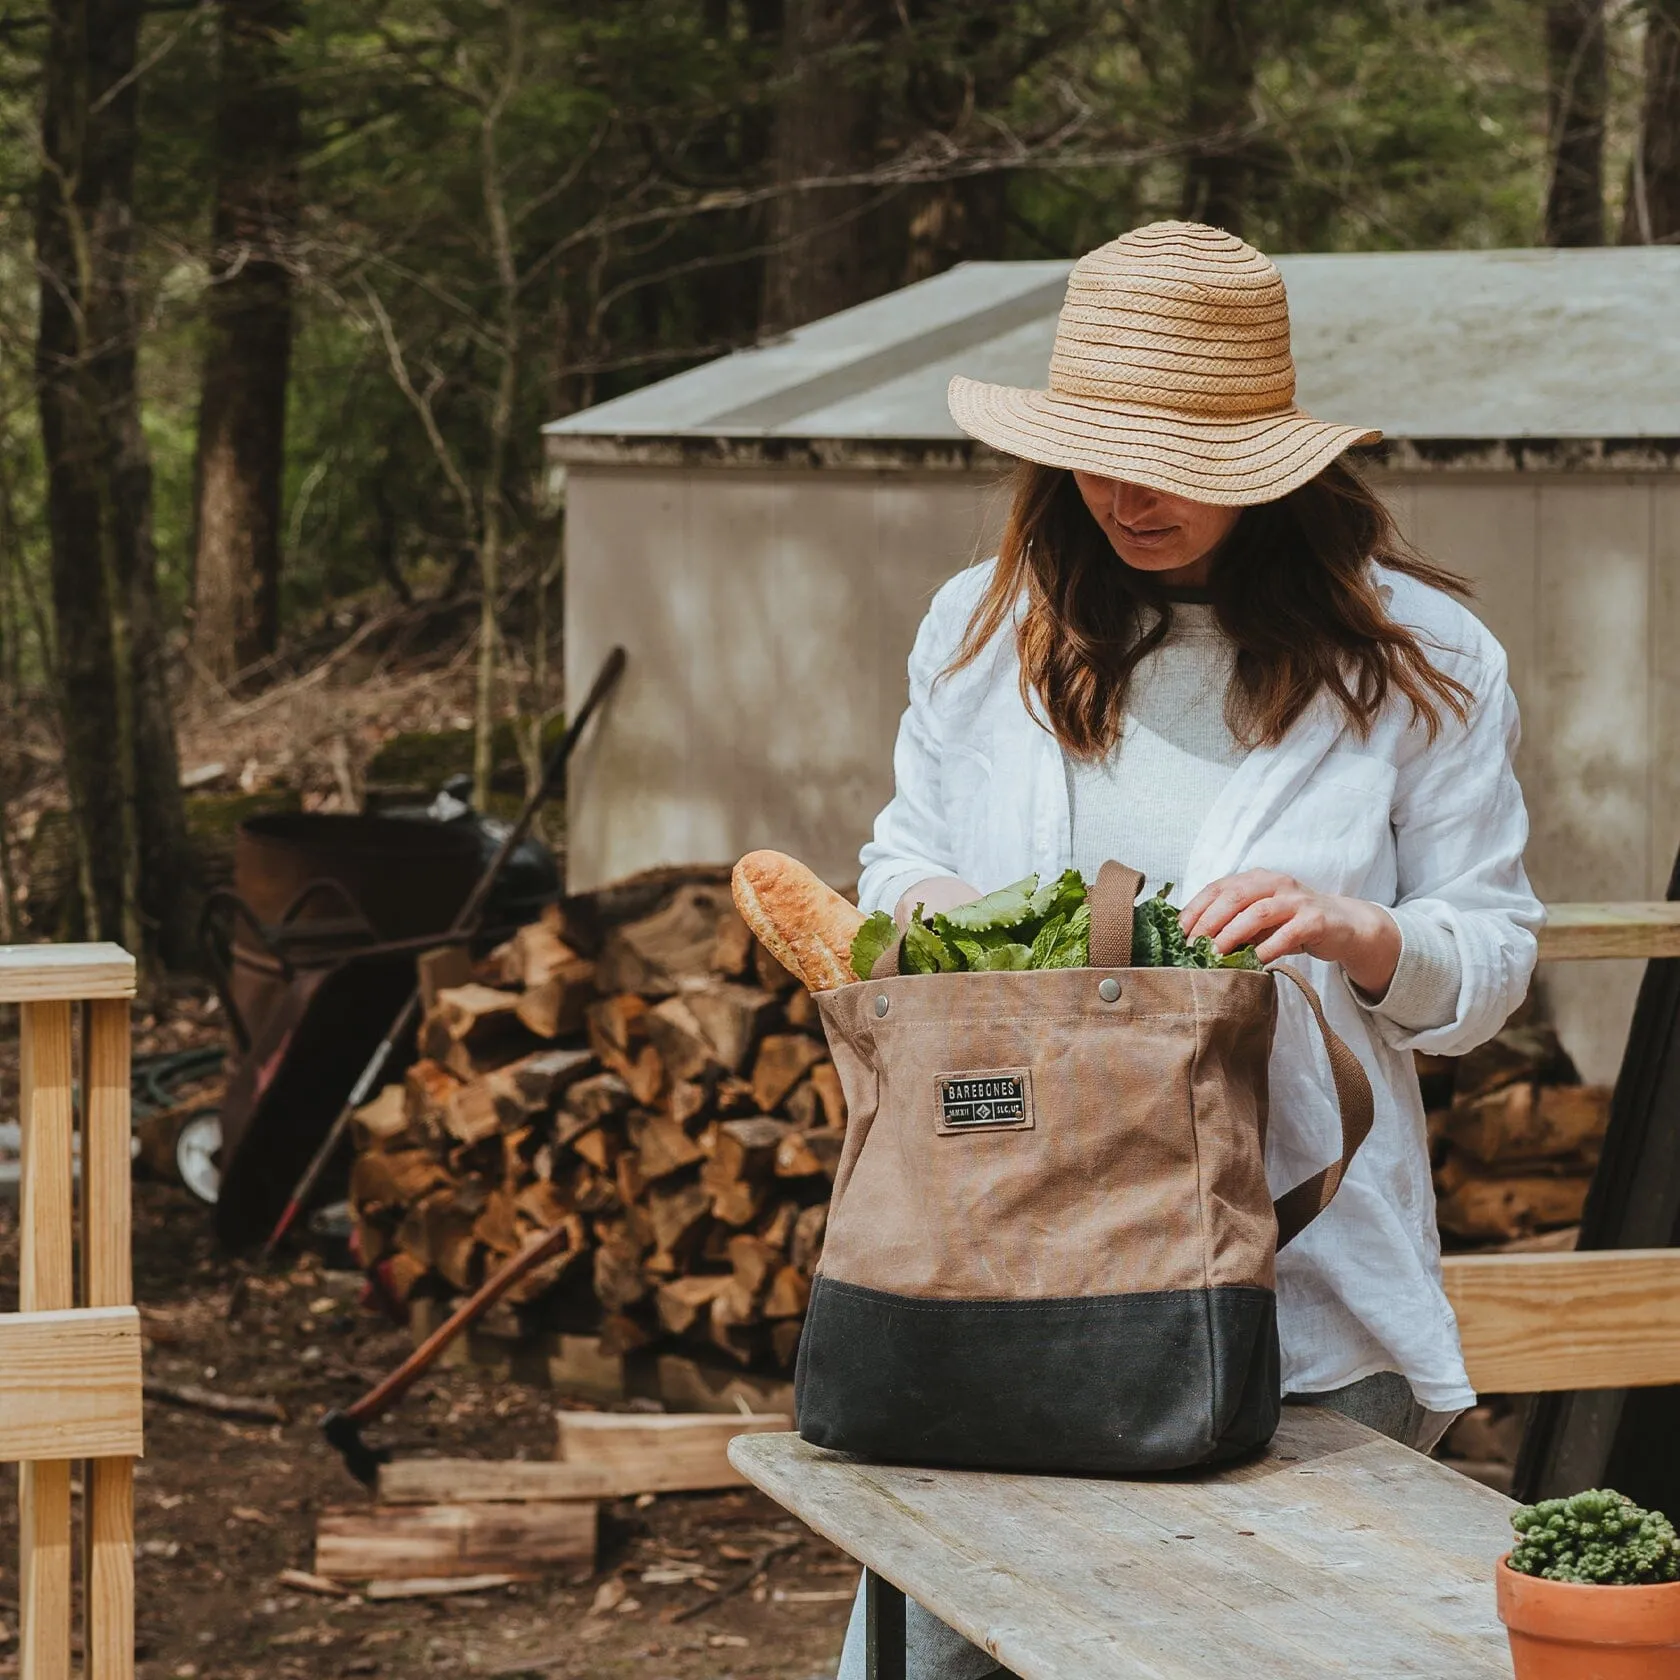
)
(995, 1099)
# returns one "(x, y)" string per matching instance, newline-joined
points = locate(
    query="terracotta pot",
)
(1561, 1631)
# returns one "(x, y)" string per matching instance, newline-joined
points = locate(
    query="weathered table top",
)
(1337, 1553)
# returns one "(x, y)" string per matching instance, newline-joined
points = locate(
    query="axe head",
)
(362, 1461)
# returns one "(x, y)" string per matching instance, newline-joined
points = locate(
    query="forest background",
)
(287, 289)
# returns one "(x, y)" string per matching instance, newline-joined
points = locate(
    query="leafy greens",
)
(1026, 925)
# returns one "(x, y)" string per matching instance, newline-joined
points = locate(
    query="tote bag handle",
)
(1296, 1209)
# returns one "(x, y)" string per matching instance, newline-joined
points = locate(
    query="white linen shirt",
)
(981, 794)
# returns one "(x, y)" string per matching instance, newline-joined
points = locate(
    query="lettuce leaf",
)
(878, 933)
(1060, 897)
(924, 951)
(1007, 957)
(1069, 945)
(1008, 907)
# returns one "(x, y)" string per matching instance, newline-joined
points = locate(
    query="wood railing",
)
(69, 1372)
(1539, 1323)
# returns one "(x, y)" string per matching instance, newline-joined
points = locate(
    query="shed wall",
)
(768, 616)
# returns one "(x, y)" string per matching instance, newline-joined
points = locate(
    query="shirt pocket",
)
(1338, 834)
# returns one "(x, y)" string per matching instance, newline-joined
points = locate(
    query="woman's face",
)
(1154, 532)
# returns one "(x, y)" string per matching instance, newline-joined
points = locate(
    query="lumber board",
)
(478, 1481)
(1536, 1323)
(108, 1569)
(1335, 1554)
(70, 1384)
(1577, 932)
(46, 1271)
(444, 1542)
(44, 1570)
(30, 973)
(673, 1452)
(107, 1263)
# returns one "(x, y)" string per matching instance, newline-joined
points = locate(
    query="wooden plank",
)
(1575, 932)
(108, 1551)
(442, 1542)
(70, 1384)
(46, 1273)
(673, 1452)
(477, 1481)
(107, 1264)
(44, 1570)
(1536, 1323)
(107, 1281)
(29, 973)
(45, 1284)
(1337, 1553)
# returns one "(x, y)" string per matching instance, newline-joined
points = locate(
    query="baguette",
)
(804, 923)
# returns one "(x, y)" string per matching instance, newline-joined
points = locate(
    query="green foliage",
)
(1597, 1538)
(1025, 926)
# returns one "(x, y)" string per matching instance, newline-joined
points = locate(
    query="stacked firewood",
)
(667, 1098)
(1514, 1137)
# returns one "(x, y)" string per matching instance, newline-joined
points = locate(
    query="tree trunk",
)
(1225, 40)
(822, 255)
(1652, 215)
(119, 735)
(242, 413)
(1577, 75)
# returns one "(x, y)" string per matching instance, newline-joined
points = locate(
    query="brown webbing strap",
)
(887, 964)
(1111, 901)
(1296, 1209)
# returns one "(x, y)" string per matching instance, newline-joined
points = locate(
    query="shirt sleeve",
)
(1460, 827)
(912, 841)
(1425, 987)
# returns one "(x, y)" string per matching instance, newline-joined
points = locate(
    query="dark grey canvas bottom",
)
(1116, 1384)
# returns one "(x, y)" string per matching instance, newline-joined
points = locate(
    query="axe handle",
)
(385, 1393)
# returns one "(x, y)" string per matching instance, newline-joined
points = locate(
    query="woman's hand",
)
(1281, 918)
(938, 892)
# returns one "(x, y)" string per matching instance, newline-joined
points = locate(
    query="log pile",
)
(659, 1087)
(1514, 1137)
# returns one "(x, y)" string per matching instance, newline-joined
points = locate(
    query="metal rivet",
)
(1109, 990)
(881, 1004)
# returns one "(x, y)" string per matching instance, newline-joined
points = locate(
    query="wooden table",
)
(1337, 1553)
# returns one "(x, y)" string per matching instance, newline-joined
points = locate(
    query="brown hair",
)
(1291, 587)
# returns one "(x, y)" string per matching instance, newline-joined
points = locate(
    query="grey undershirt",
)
(1145, 803)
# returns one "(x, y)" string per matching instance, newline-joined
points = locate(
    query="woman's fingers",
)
(1217, 903)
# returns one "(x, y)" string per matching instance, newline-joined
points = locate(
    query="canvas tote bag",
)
(1050, 1244)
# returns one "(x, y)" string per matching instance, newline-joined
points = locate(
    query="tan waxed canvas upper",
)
(1143, 1167)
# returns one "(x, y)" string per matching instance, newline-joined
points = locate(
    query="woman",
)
(1204, 651)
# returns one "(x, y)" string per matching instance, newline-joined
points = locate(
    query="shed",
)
(763, 534)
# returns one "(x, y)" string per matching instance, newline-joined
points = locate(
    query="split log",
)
(806, 1154)
(806, 1247)
(684, 1302)
(477, 1481)
(382, 1123)
(733, 1019)
(662, 1146)
(784, 1341)
(677, 1035)
(395, 1542)
(426, 1089)
(677, 1452)
(1502, 1208)
(1521, 1120)
(732, 948)
(654, 955)
(440, 967)
(789, 1294)
(1513, 1054)
(619, 1279)
(555, 1006)
(783, 1060)
(395, 1178)
(825, 1080)
(676, 1215)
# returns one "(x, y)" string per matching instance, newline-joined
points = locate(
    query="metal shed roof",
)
(1471, 346)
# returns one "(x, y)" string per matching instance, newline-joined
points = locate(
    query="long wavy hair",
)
(1291, 586)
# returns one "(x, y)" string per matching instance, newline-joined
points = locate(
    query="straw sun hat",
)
(1171, 369)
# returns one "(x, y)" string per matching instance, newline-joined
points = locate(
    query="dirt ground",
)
(223, 1507)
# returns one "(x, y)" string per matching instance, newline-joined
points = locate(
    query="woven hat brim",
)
(1231, 463)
